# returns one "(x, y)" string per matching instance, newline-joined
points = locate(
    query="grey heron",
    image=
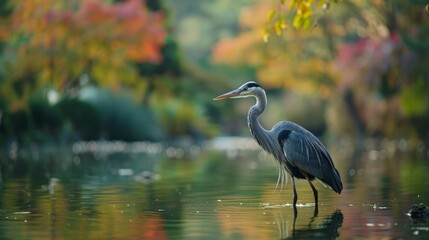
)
(298, 151)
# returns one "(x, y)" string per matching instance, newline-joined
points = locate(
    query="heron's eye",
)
(245, 88)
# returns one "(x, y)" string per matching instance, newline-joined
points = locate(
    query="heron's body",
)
(297, 150)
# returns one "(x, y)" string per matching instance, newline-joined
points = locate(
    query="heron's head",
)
(246, 90)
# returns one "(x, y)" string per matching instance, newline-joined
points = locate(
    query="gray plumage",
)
(297, 150)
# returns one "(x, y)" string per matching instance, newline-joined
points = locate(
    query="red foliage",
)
(351, 51)
(365, 58)
(127, 26)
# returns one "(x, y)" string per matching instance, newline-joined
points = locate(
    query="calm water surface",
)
(182, 193)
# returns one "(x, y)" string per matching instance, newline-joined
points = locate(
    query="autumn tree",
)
(53, 48)
(63, 44)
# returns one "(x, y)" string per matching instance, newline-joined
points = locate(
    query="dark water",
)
(152, 192)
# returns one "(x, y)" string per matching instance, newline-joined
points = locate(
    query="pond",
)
(149, 191)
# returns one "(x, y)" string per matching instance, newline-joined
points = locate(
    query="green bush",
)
(121, 118)
(84, 119)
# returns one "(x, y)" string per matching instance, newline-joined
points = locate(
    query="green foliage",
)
(199, 24)
(84, 119)
(40, 121)
(117, 44)
(17, 125)
(5, 8)
(121, 118)
(101, 115)
(184, 107)
(412, 176)
(70, 119)
(44, 117)
(182, 117)
(414, 98)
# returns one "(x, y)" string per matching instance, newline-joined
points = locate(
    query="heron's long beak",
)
(233, 93)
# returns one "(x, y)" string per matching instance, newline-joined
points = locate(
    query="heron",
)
(297, 150)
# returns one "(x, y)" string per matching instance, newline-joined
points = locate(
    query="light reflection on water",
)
(212, 195)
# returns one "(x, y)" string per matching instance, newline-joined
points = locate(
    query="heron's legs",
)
(295, 215)
(295, 195)
(316, 197)
(295, 199)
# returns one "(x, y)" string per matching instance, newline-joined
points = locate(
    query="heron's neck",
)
(257, 131)
(256, 110)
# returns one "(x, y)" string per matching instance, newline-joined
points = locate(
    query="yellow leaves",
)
(266, 36)
(302, 21)
(292, 61)
(303, 15)
(276, 23)
(277, 27)
(271, 14)
(283, 24)
(301, 10)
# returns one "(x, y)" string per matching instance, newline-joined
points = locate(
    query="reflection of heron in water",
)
(297, 150)
(327, 229)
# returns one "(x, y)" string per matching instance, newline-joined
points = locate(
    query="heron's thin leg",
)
(316, 198)
(295, 215)
(295, 199)
(295, 195)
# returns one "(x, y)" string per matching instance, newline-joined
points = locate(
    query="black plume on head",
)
(252, 84)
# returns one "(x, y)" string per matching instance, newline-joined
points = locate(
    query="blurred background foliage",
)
(148, 70)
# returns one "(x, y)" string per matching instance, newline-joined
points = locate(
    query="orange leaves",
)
(244, 48)
(76, 33)
(129, 25)
(95, 12)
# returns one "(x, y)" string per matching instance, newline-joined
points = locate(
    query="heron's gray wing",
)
(304, 151)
